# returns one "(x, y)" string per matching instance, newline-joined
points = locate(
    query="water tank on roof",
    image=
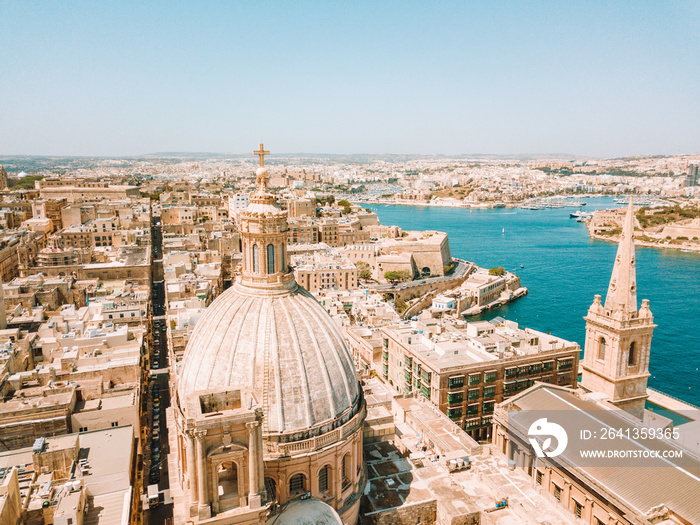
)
(39, 444)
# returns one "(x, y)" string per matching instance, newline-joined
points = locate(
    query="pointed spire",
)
(622, 292)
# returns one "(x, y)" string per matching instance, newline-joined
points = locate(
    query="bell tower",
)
(263, 228)
(618, 336)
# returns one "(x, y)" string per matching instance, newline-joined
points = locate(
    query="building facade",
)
(465, 373)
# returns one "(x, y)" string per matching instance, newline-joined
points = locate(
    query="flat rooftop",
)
(656, 480)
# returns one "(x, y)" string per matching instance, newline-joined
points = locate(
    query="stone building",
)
(267, 407)
(464, 373)
(430, 250)
(319, 271)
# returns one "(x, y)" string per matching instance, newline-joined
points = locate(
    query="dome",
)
(310, 511)
(280, 343)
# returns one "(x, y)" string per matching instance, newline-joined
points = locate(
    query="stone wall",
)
(424, 512)
(471, 518)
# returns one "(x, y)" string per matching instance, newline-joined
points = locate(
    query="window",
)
(473, 409)
(548, 366)
(632, 358)
(490, 377)
(83, 429)
(565, 364)
(489, 391)
(474, 379)
(297, 483)
(115, 423)
(256, 265)
(557, 492)
(601, 348)
(473, 394)
(270, 259)
(510, 373)
(538, 477)
(282, 257)
(455, 382)
(323, 479)
(346, 469)
(454, 413)
(578, 508)
(453, 399)
(472, 423)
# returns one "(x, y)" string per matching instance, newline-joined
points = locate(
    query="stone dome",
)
(310, 511)
(279, 343)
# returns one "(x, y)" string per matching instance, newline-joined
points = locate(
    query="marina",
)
(563, 269)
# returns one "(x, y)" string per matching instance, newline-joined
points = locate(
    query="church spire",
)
(622, 291)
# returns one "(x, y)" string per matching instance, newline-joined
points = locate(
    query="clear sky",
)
(607, 78)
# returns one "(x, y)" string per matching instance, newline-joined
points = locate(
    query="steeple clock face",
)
(629, 389)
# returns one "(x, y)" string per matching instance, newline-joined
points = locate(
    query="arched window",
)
(346, 470)
(297, 484)
(323, 479)
(256, 265)
(282, 264)
(271, 487)
(270, 259)
(601, 348)
(632, 358)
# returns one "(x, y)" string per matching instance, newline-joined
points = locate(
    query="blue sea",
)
(563, 269)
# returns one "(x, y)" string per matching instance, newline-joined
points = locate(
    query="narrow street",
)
(155, 456)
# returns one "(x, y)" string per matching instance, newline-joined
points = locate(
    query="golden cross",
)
(261, 153)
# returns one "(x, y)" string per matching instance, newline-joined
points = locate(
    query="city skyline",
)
(583, 79)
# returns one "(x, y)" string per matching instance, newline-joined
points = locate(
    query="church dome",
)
(283, 346)
(310, 511)
(269, 336)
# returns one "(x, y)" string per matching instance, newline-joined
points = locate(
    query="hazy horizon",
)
(121, 79)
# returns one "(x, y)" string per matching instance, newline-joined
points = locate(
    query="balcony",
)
(297, 448)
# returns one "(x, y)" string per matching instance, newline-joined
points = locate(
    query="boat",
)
(581, 216)
(522, 266)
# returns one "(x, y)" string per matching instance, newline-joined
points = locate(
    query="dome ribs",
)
(344, 362)
(203, 330)
(215, 342)
(298, 383)
(325, 407)
(247, 303)
(274, 419)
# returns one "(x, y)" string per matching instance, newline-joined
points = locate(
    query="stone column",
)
(254, 498)
(259, 459)
(204, 509)
(189, 451)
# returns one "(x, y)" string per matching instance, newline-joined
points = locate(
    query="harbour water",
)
(563, 269)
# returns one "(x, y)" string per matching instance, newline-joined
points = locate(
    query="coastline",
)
(466, 205)
(685, 248)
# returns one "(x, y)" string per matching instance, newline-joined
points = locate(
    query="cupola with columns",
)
(263, 228)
